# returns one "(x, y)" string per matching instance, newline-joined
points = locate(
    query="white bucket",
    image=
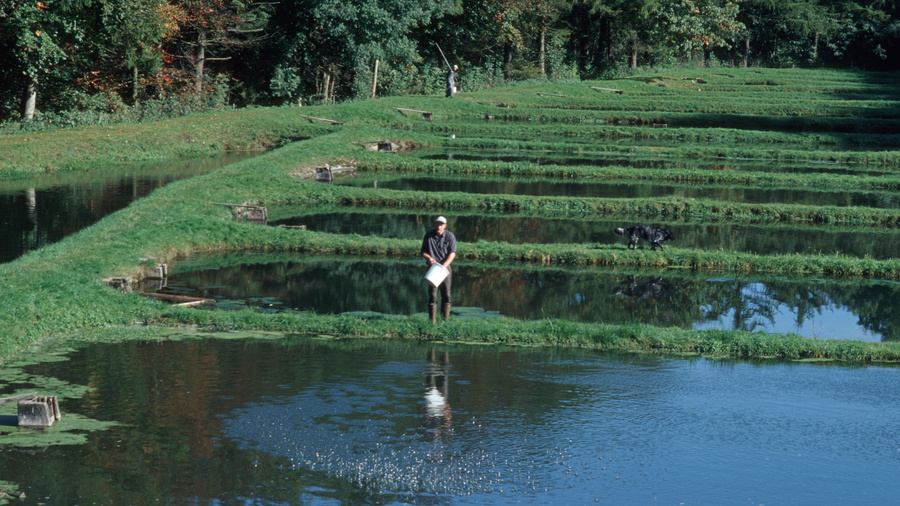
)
(436, 274)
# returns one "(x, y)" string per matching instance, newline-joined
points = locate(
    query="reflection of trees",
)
(172, 399)
(875, 305)
(755, 302)
(517, 230)
(747, 301)
(59, 205)
(588, 295)
(631, 189)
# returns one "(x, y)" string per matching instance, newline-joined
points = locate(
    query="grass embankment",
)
(818, 181)
(57, 289)
(86, 148)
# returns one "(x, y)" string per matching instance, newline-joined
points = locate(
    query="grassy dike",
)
(56, 291)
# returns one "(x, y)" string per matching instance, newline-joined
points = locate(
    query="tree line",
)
(84, 61)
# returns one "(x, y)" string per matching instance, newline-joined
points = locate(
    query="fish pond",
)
(625, 189)
(46, 208)
(641, 162)
(760, 239)
(268, 419)
(815, 308)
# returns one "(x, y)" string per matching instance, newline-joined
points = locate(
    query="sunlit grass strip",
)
(673, 134)
(701, 120)
(195, 135)
(770, 104)
(694, 151)
(550, 333)
(554, 207)
(746, 178)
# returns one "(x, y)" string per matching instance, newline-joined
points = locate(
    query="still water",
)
(808, 307)
(295, 421)
(642, 162)
(46, 208)
(760, 239)
(625, 189)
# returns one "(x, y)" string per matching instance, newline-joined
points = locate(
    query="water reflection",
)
(629, 189)
(49, 207)
(809, 307)
(760, 239)
(641, 162)
(288, 421)
(438, 421)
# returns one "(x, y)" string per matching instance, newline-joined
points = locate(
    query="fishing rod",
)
(442, 56)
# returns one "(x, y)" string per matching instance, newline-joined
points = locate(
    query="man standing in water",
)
(439, 246)
(451, 81)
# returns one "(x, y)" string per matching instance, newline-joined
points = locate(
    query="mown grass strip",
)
(196, 135)
(673, 136)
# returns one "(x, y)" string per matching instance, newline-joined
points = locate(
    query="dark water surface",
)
(641, 162)
(760, 239)
(294, 421)
(46, 208)
(808, 307)
(624, 189)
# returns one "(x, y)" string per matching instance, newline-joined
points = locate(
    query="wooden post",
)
(42, 411)
(375, 79)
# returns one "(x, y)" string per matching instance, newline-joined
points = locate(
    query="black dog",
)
(654, 235)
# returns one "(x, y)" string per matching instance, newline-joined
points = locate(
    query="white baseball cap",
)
(441, 219)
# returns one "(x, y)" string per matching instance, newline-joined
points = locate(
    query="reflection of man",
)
(438, 415)
(439, 246)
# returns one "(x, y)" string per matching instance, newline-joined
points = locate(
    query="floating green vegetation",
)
(72, 429)
(9, 491)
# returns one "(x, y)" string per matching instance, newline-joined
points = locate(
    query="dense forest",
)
(69, 62)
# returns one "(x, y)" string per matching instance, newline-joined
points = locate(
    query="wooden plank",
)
(191, 303)
(550, 95)
(617, 92)
(233, 205)
(333, 122)
(21, 397)
(425, 114)
(168, 297)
